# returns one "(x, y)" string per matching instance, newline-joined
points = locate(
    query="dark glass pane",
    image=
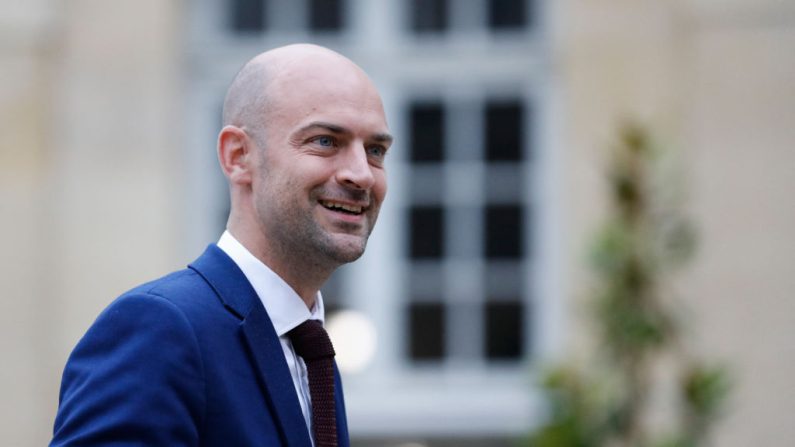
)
(325, 15)
(426, 329)
(507, 14)
(504, 131)
(247, 15)
(429, 15)
(503, 330)
(503, 238)
(427, 231)
(427, 132)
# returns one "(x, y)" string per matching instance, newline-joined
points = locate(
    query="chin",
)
(347, 257)
(345, 251)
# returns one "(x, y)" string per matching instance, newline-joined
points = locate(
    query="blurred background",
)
(475, 276)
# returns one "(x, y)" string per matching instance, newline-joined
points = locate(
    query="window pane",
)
(427, 132)
(507, 14)
(503, 330)
(503, 238)
(427, 232)
(247, 15)
(429, 15)
(325, 15)
(504, 131)
(426, 329)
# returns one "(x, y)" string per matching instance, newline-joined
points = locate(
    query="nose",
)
(354, 170)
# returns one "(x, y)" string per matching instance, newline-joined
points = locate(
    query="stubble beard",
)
(336, 247)
(302, 241)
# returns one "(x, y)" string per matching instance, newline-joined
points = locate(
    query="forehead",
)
(341, 95)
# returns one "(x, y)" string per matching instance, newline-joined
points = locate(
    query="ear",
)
(235, 153)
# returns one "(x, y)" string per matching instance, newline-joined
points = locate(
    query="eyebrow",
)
(381, 137)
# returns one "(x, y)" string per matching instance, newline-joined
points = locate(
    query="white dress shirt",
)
(285, 308)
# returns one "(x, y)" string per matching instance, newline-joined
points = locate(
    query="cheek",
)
(303, 174)
(379, 186)
(313, 169)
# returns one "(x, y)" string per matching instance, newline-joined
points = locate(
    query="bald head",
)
(263, 80)
(303, 146)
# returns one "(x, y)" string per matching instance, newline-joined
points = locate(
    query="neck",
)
(304, 278)
(302, 273)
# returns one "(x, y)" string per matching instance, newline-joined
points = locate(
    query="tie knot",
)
(311, 341)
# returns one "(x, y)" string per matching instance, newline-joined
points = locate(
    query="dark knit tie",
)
(311, 342)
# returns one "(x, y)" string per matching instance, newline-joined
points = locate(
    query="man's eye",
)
(376, 151)
(325, 141)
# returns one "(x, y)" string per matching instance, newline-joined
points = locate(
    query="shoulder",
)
(172, 287)
(181, 295)
(139, 359)
(155, 314)
(155, 320)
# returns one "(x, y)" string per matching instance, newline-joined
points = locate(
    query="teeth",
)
(342, 206)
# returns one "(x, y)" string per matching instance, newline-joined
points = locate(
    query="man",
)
(204, 356)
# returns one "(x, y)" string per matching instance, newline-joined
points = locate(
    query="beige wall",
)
(21, 176)
(89, 181)
(717, 80)
(741, 128)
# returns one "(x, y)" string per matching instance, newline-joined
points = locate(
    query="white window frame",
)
(393, 397)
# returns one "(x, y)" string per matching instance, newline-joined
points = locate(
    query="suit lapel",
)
(269, 360)
(263, 344)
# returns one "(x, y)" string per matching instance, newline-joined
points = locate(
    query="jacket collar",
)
(237, 295)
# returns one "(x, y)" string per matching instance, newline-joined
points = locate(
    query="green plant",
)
(640, 246)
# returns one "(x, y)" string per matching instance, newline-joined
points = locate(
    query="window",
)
(451, 273)
(427, 132)
(507, 14)
(428, 15)
(259, 16)
(440, 16)
(247, 15)
(427, 329)
(504, 131)
(326, 15)
(503, 323)
(503, 234)
(427, 232)
(466, 258)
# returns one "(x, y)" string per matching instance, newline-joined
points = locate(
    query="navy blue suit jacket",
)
(190, 359)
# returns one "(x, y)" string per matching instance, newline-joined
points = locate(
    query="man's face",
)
(320, 176)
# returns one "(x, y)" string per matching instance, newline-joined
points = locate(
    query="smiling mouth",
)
(353, 210)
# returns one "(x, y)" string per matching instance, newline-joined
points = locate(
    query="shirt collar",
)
(285, 308)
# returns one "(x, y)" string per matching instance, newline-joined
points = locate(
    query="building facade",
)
(474, 277)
